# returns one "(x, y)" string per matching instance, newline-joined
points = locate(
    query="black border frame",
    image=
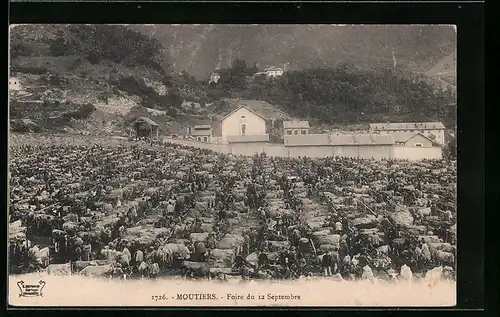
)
(470, 20)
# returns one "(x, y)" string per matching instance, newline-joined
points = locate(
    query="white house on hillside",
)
(295, 127)
(431, 130)
(14, 84)
(243, 124)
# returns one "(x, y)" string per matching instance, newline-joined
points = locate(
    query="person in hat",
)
(374, 240)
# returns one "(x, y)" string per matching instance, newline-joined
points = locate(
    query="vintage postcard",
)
(232, 165)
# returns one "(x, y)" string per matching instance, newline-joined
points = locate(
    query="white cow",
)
(406, 273)
(367, 273)
(435, 275)
(59, 269)
(42, 257)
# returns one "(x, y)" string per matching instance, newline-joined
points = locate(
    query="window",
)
(418, 144)
(198, 138)
(205, 139)
(303, 132)
(295, 132)
(243, 117)
(289, 132)
(243, 129)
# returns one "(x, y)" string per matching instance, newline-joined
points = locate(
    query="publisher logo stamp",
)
(31, 290)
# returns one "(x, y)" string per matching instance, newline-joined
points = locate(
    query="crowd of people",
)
(146, 209)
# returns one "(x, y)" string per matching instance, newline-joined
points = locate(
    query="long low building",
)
(325, 145)
(360, 145)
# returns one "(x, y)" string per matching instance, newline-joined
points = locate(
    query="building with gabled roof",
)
(432, 130)
(295, 127)
(145, 127)
(243, 123)
(412, 139)
(202, 132)
(346, 145)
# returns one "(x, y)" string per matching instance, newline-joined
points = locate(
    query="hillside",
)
(100, 77)
(445, 69)
(199, 49)
(109, 69)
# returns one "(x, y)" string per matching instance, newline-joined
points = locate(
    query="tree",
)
(59, 47)
(450, 150)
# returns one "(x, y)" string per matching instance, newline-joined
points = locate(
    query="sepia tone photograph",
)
(232, 165)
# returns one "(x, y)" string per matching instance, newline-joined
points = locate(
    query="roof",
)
(336, 140)
(306, 140)
(265, 109)
(296, 124)
(408, 125)
(201, 132)
(240, 107)
(401, 137)
(145, 120)
(361, 139)
(247, 138)
(202, 126)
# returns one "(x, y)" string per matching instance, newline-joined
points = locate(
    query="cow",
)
(445, 258)
(95, 271)
(150, 270)
(367, 274)
(175, 250)
(143, 269)
(32, 251)
(59, 269)
(406, 273)
(80, 265)
(338, 277)
(426, 253)
(110, 254)
(385, 249)
(448, 273)
(435, 275)
(42, 257)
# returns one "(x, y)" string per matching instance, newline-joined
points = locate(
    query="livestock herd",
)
(143, 209)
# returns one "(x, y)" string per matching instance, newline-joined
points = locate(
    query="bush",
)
(94, 58)
(172, 112)
(134, 86)
(30, 69)
(82, 113)
(60, 47)
(20, 49)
